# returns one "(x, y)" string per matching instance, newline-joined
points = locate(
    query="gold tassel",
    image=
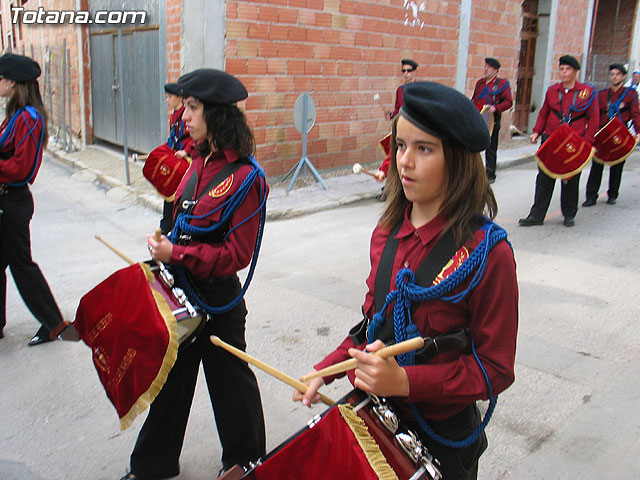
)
(167, 362)
(367, 443)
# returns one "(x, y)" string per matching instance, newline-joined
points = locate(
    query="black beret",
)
(569, 60)
(445, 113)
(173, 89)
(492, 62)
(212, 86)
(408, 61)
(618, 66)
(18, 68)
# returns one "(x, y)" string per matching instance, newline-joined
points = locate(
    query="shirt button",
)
(416, 234)
(406, 264)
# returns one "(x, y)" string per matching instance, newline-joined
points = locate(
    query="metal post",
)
(64, 92)
(70, 145)
(122, 107)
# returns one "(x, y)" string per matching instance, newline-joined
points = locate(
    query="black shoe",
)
(530, 221)
(491, 180)
(131, 476)
(69, 333)
(612, 201)
(41, 336)
(589, 202)
(569, 221)
(1, 333)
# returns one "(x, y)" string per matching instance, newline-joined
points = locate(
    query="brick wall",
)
(174, 24)
(570, 29)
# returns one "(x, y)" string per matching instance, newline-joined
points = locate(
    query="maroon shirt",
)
(18, 167)
(628, 106)
(586, 126)
(399, 101)
(502, 101)
(175, 118)
(453, 379)
(205, 260)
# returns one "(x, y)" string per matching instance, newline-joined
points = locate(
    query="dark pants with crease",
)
(595, 179)
(15, 253)
(456, 463)
(233, 391)
(491, 153)
(544, 190)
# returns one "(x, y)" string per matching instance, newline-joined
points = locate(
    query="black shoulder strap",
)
(190, 187)
(426, 272)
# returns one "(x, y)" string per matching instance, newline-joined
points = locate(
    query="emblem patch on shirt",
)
(452, 265)
(223, 188)
(583, 94)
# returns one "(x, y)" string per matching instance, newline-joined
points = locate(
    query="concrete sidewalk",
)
(106, 166)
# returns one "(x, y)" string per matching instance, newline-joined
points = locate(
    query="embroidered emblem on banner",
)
(452, 265)
(583, 94)
(570, 148)
(164, 170)
(223, 188)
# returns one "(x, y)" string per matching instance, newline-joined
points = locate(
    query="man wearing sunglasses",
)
(409, 72)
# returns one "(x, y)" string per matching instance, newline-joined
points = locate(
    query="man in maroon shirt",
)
(409, 71)
(623, 103)
(576, 104)
(496, 93)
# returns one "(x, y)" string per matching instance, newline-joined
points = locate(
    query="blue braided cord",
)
(231, 206)
(584, 105)
(486, 92)
(493, 400)
(614, 108)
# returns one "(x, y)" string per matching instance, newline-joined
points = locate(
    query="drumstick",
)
(376, 97)
(357, 168)
(392, 350)
(114, 250)
(514, 129)
(292, 382)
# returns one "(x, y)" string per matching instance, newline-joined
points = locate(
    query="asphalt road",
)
(572, 412)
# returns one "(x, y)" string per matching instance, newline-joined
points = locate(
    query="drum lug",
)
(314, 421)
(385, 414)
(413, 447)
(181, 298)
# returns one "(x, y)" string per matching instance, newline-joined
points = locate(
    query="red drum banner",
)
(614, 143)
(133, 336)
(564, 154)
(165, 171)
(385, 143)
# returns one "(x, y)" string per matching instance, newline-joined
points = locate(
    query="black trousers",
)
(15, 253)
(233, 391)
(166, 222)
(491, 153)
(595, 179)
(456, 463)
(544, 190)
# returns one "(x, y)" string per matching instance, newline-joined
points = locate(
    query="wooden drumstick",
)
(392, 350)
(116, 251)
(292, 382)
(514, 129)
(357, 168)
(376, 97)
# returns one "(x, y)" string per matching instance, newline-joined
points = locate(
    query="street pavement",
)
(571, 413)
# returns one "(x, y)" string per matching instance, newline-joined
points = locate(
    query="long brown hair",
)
(25, 94)
(228, 126)
(468, 195)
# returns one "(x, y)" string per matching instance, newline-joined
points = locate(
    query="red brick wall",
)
(174, 25)
(570, 30)
(612, 35)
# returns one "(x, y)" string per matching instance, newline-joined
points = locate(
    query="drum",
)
(135, 321)
(613, 143)
(385, 144)
(488, 117)
(165, 171)
(564, 154)
(359, 437)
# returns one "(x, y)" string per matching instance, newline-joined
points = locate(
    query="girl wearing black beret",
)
(22, 141)
(437, 263)
(219, 216)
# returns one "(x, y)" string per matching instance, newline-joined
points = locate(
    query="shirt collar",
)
(426, 232)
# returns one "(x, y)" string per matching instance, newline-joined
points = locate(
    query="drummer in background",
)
(179, 141)
(613, 101)
(23, 139)
(561, 105)
(222, 136)
(437, 190)
(496, 93)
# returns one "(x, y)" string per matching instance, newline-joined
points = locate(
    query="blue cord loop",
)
(487, 92)
(407, 292)
(229, 207)
(614, 108)
(9, 133)
(581, 107)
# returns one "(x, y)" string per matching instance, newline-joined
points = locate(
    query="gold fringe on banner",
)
(367, 443)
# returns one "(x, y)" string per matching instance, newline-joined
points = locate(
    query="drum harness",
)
(409, 291)
(9, 134)
(184, 231)
(582, 110)
(493, 92)
(613, 109)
